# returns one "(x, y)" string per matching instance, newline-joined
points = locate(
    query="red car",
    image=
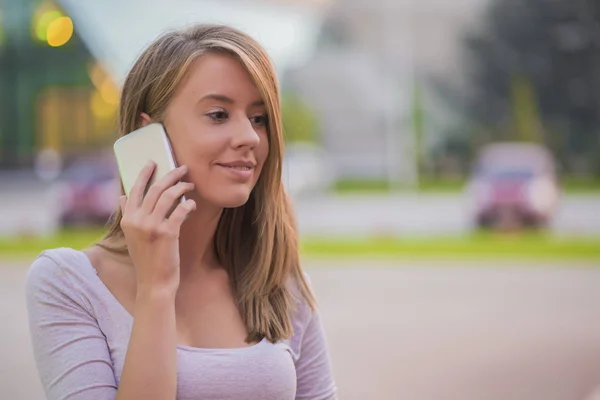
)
(88, 191)
(513, 185)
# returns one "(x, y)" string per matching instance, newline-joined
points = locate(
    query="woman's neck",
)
(196, 248)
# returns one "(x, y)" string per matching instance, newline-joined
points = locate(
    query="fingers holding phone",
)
(155, 206)
(152, 234)
(161, 197)
(164, 195)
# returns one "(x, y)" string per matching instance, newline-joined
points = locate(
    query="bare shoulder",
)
(104, 261)
(116, 272)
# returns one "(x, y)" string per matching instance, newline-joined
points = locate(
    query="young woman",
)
(206, 302)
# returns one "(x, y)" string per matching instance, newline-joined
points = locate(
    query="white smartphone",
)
(134, 150)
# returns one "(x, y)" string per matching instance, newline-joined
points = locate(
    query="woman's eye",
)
(260, 120)
(218, 116)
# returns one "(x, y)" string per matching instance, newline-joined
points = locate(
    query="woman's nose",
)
(245, 135)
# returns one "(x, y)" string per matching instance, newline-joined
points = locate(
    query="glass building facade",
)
(52, 92)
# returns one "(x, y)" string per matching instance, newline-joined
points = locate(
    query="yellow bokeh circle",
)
(59, 31)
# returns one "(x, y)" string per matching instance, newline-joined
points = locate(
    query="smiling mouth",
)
(239, 168)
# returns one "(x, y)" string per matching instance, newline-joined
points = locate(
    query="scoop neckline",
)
(107, 293)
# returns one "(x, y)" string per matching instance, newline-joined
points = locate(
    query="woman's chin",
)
(232, 200)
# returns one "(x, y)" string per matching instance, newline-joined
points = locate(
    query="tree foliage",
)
(533, 73)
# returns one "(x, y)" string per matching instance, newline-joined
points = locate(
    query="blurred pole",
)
(590, 11)
(400, 143)
(412, 147)
(393, 140)
(9, 111)
(13, 16)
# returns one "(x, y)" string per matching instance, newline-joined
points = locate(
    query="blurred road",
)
(424, 214)
(418, 331)
(33, 207)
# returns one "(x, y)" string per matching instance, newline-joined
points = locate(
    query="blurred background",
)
(443, 158)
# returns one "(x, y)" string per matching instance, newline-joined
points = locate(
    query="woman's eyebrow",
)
(225, 99)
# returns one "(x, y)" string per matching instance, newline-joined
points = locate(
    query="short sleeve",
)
(313, 367)
(71, 352)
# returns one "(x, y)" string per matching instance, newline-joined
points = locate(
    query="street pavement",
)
(422, 330)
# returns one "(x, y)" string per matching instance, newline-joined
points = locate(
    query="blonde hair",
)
(256, 243)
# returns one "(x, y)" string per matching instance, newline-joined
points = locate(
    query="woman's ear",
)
(144, 119)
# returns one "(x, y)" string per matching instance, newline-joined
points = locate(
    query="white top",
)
(80, 334)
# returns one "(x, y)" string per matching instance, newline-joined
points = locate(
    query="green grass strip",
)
(498, 246)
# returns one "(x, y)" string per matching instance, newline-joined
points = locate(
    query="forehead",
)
(218, 73)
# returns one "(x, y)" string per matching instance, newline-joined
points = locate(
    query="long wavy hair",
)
(256, 243)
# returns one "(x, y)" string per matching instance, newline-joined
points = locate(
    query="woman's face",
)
(217, 123)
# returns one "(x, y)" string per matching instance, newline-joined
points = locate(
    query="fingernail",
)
(183, 167)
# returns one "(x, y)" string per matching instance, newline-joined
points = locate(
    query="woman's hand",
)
(151, 233)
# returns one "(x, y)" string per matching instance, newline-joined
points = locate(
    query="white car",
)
(513, 184)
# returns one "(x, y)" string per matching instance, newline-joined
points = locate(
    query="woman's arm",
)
(70, 351)
(152, 235)
(150, 370)
(313, 368)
